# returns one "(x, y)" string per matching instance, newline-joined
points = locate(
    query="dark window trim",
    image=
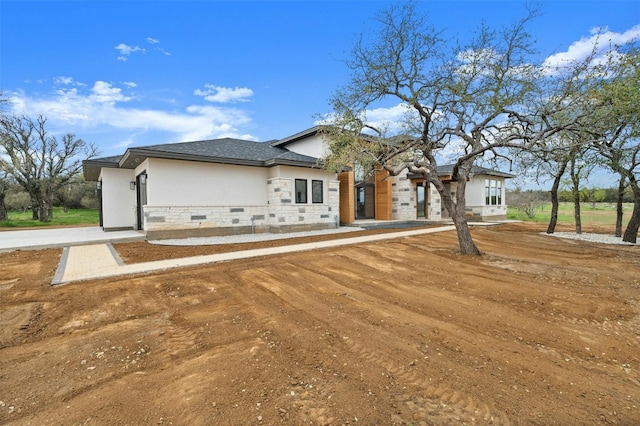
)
(301, 197)
(313, 193)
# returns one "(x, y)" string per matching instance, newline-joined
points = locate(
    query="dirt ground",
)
(538, 330)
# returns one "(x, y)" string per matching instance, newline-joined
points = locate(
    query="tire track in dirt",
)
(441, 398)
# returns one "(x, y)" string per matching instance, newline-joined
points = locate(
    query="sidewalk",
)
(97, 261)
(62, 237)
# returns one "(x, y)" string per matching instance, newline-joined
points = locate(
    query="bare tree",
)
(527, 202)
(474, 100)
(38, 162)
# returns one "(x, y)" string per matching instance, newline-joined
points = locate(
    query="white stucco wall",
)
(313, 146)
(476, 199)
(474, 192)
(118, 200)
(208, 198)
(176, 183)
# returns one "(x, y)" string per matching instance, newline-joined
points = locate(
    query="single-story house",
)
(230, 186)
(378, 196)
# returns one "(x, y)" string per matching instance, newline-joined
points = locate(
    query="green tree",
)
(474, 100)
(616, 127)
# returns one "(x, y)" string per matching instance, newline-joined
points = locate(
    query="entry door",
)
(365, 201)
(141, 195)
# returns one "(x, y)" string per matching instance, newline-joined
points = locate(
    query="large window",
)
(301, 191)
(493, 192)
(316, 191)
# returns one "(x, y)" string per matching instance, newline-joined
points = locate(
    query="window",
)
(301, 191)
(487, 192)
(493, 192)
(316, 191)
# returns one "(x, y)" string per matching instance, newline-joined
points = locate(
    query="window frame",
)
(493, 192)
(303, 199)
(314, 182)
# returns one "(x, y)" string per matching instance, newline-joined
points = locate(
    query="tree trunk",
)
(467, 245)
(457, 212)
(44, 214)
(631, 233)
(3, 207)
(555, 204)
(576, 214)
(35, 209)
(575, 189)
(50, 206)
(465, 241)
(619, 206)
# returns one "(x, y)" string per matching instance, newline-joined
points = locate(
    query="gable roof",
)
(300, 135)
(224, 151)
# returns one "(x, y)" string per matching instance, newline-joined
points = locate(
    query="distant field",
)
(601, 214)
(71, 217)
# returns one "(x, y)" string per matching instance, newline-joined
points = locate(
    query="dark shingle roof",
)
(231, 149)
(227, 151)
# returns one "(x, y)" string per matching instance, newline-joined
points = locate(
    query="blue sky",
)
(133, 73)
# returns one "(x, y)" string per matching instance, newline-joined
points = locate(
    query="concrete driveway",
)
(63, 237)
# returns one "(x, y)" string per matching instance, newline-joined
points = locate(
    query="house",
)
(213, 187)
(376, 195)
(231, 186)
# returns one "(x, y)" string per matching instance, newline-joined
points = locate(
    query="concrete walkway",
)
(62, 237)
(97, 261)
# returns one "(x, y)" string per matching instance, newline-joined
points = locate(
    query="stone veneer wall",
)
(281, 214)
(287, 216)
(434, 206)
(403, 198)
(486, 212)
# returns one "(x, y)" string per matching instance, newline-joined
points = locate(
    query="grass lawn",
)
(60, 218)
(602, 214)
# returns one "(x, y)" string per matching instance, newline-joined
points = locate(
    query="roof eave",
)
(300, 135)
(134, 157)
(285, 162)
(91, 168)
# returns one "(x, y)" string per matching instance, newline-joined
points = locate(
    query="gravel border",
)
(594, 238)
(249, 238)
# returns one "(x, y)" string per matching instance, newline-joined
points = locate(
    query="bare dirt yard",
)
(539, 330)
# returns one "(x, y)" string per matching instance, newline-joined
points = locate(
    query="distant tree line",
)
(531, 201)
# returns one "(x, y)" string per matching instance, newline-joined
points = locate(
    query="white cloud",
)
(63, 80)
(151, 40)
(126, 50)
(105, 110)
(130, 84)
(224, 94)
(103, 92)
(601, 39)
